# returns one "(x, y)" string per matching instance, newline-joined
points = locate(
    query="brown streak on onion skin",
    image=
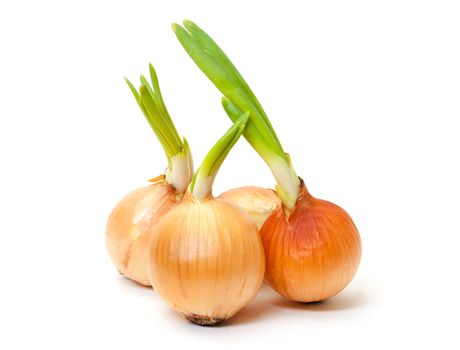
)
(129, 227)
(312, 254)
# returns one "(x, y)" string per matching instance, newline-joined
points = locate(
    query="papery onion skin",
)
(206, 259)
(129, 228)
(258, 202)
(314, 253)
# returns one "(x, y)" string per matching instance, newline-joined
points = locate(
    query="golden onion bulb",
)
(129, 228)
(206, 259)
(258, 202)
(314, 253)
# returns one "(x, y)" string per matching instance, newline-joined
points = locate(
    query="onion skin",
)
(206, 259)
(258, 202)
(129, 228)
(312, 254)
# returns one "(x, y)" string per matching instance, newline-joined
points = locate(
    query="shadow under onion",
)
(344, 301)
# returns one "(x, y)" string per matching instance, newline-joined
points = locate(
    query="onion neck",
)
(180, 170)
(180, 163)
(304, 201)
(288, 184)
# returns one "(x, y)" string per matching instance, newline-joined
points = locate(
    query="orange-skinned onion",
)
(206, 259)
(312, 254)
(129, 228)
(258, 202)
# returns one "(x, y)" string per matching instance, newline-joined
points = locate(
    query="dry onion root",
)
(312, 247)
(206, 257)
(129, 226)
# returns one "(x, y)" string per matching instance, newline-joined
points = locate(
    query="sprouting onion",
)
(312, 246)
(206, 257)
(150, 101)
(130, 224)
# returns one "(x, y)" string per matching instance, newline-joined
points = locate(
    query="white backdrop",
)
(364, 95)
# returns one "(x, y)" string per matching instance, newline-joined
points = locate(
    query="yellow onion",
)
(128, 234)
(129, 227)
(206, 256)
(312, 254)
(206, 259)
(258, 202)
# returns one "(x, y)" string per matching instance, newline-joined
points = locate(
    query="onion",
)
(312, 246)
(314, 253)
(206, 256)
(258, 202)
(207, 259)
(129, 228)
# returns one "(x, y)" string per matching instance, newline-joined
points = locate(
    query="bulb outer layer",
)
(129, 228)
(206, 259)
(312, 254)
(258, 202)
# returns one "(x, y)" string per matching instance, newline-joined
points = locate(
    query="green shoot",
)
(201, 185)
(150, 101)
(215, 64)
